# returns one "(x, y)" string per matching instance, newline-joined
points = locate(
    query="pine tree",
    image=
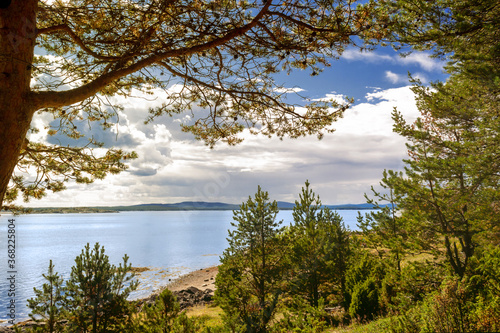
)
(99, 290)
(383, 228)
(451, 182)
(251, 272)
(319, 247)
(165, 316)
(49, 304)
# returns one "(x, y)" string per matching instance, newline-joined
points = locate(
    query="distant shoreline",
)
(182, 206)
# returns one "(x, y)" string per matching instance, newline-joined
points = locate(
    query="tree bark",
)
(17, 42)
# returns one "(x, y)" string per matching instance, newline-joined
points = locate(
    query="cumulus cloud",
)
(341, 167)
(422, 59)
(339, 98)
(395, 78)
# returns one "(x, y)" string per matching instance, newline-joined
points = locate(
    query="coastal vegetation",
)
(311, 276)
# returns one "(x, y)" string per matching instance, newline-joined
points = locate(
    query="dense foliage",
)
(49, 304)
(250, 278)
(293, 270)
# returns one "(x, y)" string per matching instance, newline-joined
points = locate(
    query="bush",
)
(161, 316)
(403, 290)
(364, 300)
(485, 283)
(448, 310)
(165, 316)
(363, 285)
(470, 304)
(300, 316)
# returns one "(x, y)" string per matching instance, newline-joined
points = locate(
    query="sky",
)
(173, 167)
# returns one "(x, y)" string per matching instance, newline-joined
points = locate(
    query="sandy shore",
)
(202, 279)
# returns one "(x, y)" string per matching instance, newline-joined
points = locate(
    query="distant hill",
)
(186, 205)
(201, 205)
(288, 205)
(352, 206)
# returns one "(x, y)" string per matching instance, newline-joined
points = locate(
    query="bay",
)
(169, 243)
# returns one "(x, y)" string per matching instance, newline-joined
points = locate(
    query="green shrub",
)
(364, 300)
(485, 284)
(470, 304)
(403, 290)
(363, 285)
(165, 316)
(300, 316)
(448, 310)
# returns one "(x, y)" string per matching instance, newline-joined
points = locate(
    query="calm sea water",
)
(169, 243)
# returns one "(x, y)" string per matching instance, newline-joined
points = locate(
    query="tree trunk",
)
(17, 42)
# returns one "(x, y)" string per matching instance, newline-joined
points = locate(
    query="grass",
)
(381, 325)
(209, 314)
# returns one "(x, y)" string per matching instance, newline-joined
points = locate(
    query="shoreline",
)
(201, 279)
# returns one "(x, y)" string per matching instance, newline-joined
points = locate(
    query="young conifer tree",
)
(99, 290)
(250, 277)
(320, 247)
(383, 228)
(49, 304)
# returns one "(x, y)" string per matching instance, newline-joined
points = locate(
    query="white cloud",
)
(288, 90)
(341, 167)
(422, 59)
(339, 98)
(40, 121)
(374, 117)
(422, 77)
(395, 78)
(373, 57)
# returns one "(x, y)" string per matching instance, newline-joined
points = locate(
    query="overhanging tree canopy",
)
(67, 57)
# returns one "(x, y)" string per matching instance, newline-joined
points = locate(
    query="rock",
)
(189, 297)
(192, 290)
(193, 296)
